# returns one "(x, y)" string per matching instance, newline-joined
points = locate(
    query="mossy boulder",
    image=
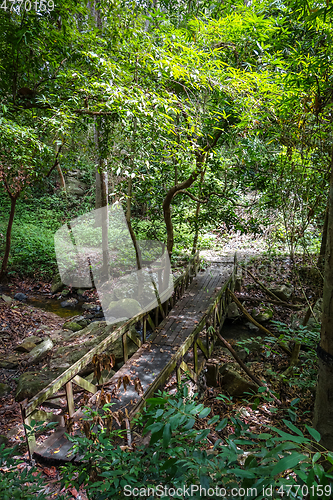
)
(124, 308)
(25, 346)
(30, 383)
(4, 390)
(283, 292)
(262, 315)
(72, 325)
(40, 351)
(57, 284)
(234, 384)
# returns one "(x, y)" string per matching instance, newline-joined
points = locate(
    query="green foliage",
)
(19, 483)
(305, 373)
(177, 456)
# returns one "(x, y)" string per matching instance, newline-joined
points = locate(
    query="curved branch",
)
(191, 196)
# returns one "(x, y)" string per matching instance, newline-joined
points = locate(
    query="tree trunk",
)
(197, 212)
(200, 159)
(169, 197)
(101, 201)
(128, 220)
(323, 410)
(3, 271)
(321, 258)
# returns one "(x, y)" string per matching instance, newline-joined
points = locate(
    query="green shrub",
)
(177, 457)
(17, 483)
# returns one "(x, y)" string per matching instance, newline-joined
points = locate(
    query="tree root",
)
(245, 368)
(262, 328)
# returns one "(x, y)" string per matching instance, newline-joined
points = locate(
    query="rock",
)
(75, 187)
(30, 383)
(72, 325)
(284, 292)
(57, 285)
(10, 361)
(317, 311)
(124, 308)
(87, 306)
(79, 343)
(233, 311)
(4, 390)
(20, 296)
(262, 314)
(56, 335)
(69, 303)
(3, 439)
(40, 351)
(80, 291)
(25, 346)
(36, 340)
(64, 293)
(252, 327)
(7, 299)
(112, 319)
(235, 384)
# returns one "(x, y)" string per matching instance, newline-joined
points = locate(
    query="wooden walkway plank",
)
(155, 360)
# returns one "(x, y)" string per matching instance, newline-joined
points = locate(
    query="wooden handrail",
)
(70, 373)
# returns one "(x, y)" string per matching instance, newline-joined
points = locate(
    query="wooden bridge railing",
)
(29, 408)
(213, 317)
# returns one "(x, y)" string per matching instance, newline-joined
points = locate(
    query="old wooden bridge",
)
(176, 344)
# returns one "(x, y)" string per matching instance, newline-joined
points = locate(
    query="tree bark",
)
(128, 220)
(197, 212)
(168, 199)
(3, 271)
(200, 159)
(321, 258)
(323, 410)
(101, 201)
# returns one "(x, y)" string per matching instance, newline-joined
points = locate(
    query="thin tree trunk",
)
(173, 191)
(321, 258)
(197, 212)
(3, 271)
(323, 410)
(128, 220)
(101, 201)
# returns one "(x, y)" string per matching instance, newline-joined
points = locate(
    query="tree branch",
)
(56, 161)
(182, 191)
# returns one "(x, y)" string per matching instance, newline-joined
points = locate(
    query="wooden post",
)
(29, 435)
(178, 375)
(70, 398)
(156, 315)
(207, 340)
(195, 356)
(144, 328)
(125, 349)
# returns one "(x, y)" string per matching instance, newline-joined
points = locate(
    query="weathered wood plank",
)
(82, 382)
(202, 347)
(188, 369)
(134, 338)
(70, 398)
